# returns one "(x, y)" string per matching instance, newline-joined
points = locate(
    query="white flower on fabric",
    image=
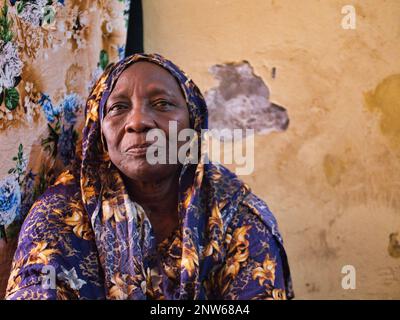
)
(29, 105)
(33, 12)
(61, 26)
(10, 64)
(80, 42)
(30, 109)
(71, 278)
(28, 87)
(76, 27)
(143, 286)
(10, 199)
(84, 18)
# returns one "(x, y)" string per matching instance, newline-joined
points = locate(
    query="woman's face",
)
(145, 97)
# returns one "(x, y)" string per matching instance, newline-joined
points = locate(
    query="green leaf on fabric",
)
(49, 15)
(104, 60)
(20, 6)
(12, 98)
(5, 25)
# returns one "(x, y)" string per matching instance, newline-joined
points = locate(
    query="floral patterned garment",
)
(51, 54)
(101, 243)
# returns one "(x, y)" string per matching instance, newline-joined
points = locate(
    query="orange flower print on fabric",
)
(41, 254)
(266, 272)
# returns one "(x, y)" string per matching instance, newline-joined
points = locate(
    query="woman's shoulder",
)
(50, 207)
(255, 242)
(255, 211)
(239, 205)
(58, 211)
(255, 223)
(56, 233)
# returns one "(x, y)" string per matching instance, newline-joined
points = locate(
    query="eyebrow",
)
(152, 91)
(117, 96)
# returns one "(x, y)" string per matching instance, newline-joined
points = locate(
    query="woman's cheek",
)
(110, 128)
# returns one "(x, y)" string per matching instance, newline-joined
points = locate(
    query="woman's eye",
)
(116, 107)
(163, 105)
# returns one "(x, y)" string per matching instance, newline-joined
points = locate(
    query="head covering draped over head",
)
(227, 244)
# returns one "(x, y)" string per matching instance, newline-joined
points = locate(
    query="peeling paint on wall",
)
(333, 179)
(242, 101)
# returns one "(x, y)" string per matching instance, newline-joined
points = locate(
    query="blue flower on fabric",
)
(66, 145)
(49, 110)
(121, 52)
(10, 200)
(70, 106)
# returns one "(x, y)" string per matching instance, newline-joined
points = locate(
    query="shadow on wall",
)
(242, 101)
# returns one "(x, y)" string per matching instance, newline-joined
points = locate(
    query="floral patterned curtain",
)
(51, 53)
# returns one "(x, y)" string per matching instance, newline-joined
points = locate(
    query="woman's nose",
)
(139, 120)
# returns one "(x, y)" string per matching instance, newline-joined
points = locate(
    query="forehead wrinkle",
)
(127, 83)
(121, 89)
(154, 90)
(167, 84)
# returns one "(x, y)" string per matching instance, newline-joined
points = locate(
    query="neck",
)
(158, 197)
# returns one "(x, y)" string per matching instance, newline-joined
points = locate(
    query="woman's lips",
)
(138, 150)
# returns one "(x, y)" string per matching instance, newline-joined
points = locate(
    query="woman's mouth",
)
(138, 149)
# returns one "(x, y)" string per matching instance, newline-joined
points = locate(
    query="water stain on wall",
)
(326, 250)
(334, 167)
(242, 101)
(312, 287)
(394, 245)
(385, 100)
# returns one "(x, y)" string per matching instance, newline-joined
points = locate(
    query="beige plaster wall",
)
(333, 177)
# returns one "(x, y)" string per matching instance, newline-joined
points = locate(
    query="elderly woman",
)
(117, 227)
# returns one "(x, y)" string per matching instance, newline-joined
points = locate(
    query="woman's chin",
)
(148, 172)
